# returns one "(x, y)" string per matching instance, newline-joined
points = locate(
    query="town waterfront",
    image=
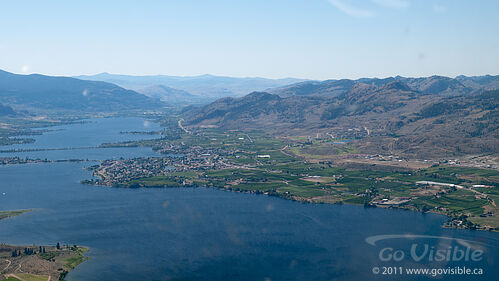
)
(200, 233)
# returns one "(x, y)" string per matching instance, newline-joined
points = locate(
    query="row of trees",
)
(31, 251)
(27, 252)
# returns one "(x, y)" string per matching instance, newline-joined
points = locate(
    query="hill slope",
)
(390, 117)
(173, 96)
(38, 92)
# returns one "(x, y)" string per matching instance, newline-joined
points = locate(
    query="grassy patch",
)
(12, 279)
(32, 277)
(73, 262)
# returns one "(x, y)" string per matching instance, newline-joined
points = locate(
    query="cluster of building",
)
(179, 158)
(112, 172)
(395, 201)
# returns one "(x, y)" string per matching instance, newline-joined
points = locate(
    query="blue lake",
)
(77, 138)
(207, 234)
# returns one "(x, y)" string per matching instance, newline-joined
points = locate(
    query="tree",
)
(58, 246)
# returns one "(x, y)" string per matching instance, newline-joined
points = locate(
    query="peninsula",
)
(19, 263)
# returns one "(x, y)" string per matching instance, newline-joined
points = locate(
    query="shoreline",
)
(40, 262)
(448, 224)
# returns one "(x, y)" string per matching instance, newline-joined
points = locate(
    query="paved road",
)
(182, 127)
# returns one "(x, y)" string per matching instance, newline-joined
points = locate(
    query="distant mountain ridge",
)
(426, 85)
(488, 82)
(210, 86)
(37, 92)
(172, 96)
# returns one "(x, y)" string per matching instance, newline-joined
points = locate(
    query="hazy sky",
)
(315, 39)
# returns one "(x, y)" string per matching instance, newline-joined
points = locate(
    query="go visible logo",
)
(455, 250)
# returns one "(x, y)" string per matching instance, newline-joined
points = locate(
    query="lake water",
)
(207, 234)
(76, 139)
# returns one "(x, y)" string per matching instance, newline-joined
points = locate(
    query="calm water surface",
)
(205, 234)
(77, 138)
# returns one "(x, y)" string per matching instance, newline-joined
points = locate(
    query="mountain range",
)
(175, 97)
(37, 92)
(206, 86)
(425, 85)
(413, 116)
